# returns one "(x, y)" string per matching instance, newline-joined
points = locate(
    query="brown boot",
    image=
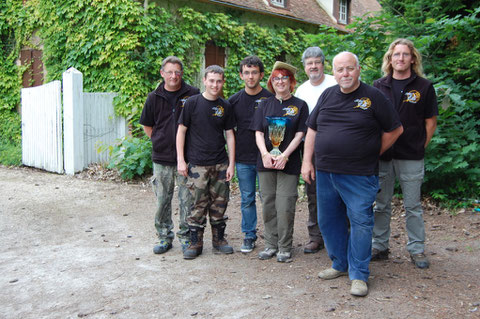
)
(195, 247)
(218, 239)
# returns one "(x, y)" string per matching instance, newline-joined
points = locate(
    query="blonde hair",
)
(416, 56)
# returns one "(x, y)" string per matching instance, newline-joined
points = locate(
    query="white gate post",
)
(73, 121)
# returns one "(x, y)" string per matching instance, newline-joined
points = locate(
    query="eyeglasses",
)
(247, 73)
(348, 68)
(170, 73)
(280, 78)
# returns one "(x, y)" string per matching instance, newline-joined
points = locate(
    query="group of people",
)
(348, 140)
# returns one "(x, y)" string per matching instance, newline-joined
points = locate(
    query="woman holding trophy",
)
(279, 125)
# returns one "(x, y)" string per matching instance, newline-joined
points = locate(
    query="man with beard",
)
(313, 61)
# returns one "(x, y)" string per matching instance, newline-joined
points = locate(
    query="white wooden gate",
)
(100, 126)
(42, 127)
(88, 121)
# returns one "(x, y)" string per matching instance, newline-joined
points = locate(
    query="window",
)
(279, 3)
(343, 12)
(33, 76)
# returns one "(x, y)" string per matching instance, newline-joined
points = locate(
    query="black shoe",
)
(378, 254)
(313, 247)
(248, 245)
(420, 260)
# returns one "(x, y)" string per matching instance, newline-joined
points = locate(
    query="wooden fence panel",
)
(101, 126)
(42, 127)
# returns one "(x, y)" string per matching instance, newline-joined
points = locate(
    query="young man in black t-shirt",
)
(201, 143)
(244, 103)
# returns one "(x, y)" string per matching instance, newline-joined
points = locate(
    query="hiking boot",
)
(248, 245)
(420, 260)
(218, 239)
(162, 247)
(378, 254)
(195, 247)
(184, 242)
(283, 256)
(359, 288)
(267, 253)
(313, 247)
(331, 273)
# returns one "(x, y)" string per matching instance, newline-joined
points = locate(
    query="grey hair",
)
(172, 59)
(313, 52)
(354, 55)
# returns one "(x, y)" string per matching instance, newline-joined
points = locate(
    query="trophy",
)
(276, 132)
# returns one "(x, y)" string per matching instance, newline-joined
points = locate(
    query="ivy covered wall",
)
(118, 45)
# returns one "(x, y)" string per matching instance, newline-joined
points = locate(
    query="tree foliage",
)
(118, 45)
(448, 36)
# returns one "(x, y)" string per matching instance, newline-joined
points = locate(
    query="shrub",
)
(132, 157)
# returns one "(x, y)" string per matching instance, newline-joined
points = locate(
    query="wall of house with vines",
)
(118, 45)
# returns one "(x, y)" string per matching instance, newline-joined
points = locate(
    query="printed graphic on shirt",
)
(183, 100)
(291, 110)
(412, 97)
(364, 103)
(257, 101)
(218, 111)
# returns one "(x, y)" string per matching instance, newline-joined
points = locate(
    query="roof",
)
(306, 11)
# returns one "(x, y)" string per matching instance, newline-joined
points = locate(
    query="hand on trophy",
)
(280, 161)
(268, 160)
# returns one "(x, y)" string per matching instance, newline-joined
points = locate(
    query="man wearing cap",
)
(313, 61)
(352, 124)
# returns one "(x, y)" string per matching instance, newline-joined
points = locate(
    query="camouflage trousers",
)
(210, 191)
(163, 183)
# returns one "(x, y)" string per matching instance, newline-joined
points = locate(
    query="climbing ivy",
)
(118, 45)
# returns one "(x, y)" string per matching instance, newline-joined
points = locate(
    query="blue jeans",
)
(340, 196)
(247, 181)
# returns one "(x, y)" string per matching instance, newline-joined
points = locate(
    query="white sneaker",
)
(331, 273)
(359, 288)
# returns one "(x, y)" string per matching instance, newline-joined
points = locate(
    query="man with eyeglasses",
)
(352, 124)
(416, 102)
(244, 103)
(159, 119)
(313, 61)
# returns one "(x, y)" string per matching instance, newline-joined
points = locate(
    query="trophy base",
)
(275, 152)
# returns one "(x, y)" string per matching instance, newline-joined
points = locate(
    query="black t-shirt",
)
(172, 97)
(244, 106)
(349, 129)
(397, 89)
(206, 122)
(296, 110)
(417, 103)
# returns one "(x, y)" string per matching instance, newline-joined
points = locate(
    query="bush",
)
(132, 157)
(10, 138)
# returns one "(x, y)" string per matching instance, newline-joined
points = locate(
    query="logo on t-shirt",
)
(218, 111)
(183, 100)
(291, 110)
(412, 97)
(364, 103)
(257, 101)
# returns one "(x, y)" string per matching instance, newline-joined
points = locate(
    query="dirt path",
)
(79, 248)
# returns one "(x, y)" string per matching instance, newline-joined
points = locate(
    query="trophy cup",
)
(276, 132)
